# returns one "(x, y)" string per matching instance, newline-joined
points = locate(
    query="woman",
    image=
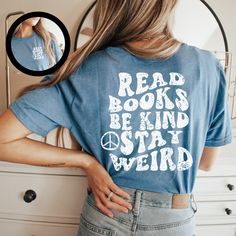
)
(147, 110)
(33, 46)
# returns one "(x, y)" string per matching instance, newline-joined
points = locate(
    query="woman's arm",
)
(208, 158)
(15, 147)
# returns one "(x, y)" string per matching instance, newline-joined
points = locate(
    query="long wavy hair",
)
(47, 37)
(117, 22)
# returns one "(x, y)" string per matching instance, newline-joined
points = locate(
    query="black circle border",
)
(60, 25)
(219, 23)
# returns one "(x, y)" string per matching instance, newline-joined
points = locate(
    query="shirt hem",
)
(218, 143)
(121, 184)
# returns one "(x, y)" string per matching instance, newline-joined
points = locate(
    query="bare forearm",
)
(32, 152)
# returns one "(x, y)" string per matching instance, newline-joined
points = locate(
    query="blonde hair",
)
(47, 37)
(117, 22)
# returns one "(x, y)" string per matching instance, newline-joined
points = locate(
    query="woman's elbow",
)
(208, 158)
(205, 168)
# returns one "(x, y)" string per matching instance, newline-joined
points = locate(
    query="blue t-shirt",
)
(145, 120)
(30, 52)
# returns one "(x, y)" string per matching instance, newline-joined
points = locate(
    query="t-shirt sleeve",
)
(42, 110)
(220, 129)
(56, 50)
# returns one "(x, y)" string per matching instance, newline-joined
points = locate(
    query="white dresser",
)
(39, 201)
(215, 195)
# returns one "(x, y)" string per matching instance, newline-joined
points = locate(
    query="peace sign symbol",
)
(110, 141)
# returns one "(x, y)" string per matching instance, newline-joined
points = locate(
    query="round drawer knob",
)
(228, 211)
(29, 196)
(230, 187)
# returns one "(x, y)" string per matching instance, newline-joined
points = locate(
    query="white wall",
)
(226, 12)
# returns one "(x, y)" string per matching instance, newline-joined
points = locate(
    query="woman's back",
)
(145, 120)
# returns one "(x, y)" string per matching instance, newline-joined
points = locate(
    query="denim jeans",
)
(151, 215)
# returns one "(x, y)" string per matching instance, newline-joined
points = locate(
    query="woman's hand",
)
(101, 184)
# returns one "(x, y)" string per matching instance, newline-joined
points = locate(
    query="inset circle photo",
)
(38, 43)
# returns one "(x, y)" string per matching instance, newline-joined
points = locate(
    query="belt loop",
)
(195, 204)
(137, 201)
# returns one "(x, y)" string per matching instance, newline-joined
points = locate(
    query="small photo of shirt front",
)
(30, 52)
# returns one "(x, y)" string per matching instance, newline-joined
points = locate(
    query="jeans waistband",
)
(159, 199)
(162, 199)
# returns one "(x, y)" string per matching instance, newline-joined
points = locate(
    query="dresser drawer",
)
(216, 230)
(222, 212)
(28, 228)
(215, 188)
(58, 198)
